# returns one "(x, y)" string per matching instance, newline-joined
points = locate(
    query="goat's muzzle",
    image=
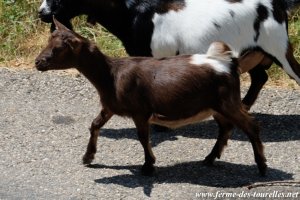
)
(45, 17)
(41, 64)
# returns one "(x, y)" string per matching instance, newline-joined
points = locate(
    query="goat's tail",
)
(292, 4)
(219, 51)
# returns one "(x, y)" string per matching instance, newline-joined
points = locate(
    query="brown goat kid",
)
(147, 90)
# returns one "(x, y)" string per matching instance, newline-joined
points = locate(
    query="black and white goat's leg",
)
(143, 131)
(259, 76)
(97, 123)
(225, 130)
(294, 65)
(258, 79)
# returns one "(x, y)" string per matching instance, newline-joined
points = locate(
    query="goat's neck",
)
(96, 67)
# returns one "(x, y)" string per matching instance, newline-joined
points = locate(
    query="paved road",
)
(44, 120)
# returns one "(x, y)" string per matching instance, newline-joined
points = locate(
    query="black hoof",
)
(262, 169)
(87, 159)
(148, 170)
(209, 161)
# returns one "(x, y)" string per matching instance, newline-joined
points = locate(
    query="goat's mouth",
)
(40, 66)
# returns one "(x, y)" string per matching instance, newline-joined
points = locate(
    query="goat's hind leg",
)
(247, 124)
(97, 123)
(225, 130)
(259, 76)
(258, 79)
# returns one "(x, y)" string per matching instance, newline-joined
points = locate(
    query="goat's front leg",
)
(97, 123)
(143, 132)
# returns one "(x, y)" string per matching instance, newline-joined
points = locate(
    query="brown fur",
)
(145, 88)
(167, 6)
(249, 60)
(234, 1)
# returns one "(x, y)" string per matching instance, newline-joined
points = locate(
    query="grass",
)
(17, 25)
(23, 35)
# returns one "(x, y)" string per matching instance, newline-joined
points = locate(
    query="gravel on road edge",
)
(44, 125)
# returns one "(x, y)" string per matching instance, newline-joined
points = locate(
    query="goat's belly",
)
(165, 121)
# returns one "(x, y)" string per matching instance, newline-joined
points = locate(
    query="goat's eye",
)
(56, 51)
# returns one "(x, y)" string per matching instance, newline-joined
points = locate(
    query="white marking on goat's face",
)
(45, 8)
(219, 66)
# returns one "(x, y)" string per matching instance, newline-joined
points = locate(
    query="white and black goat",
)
(148, 89)
(162, 28)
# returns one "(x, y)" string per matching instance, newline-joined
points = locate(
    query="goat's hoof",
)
(208, 161)
(88, 159)
(148, 170)
(262, 169)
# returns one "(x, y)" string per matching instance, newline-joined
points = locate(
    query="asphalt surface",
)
(44, 121)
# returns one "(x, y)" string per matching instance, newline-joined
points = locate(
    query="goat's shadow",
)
(222, 175)
(274, 128)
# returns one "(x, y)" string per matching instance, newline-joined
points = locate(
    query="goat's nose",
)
(41, 11)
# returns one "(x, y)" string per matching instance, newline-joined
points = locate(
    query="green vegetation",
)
(17, 23)
(23, 35)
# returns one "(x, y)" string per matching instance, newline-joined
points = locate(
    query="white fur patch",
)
(181, 122)
(192, 29)
(45, 8)
(220, 66)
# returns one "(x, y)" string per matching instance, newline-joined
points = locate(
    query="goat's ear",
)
(58, 25)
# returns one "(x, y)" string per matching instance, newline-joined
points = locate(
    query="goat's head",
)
(63, 10)
(62, 50)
